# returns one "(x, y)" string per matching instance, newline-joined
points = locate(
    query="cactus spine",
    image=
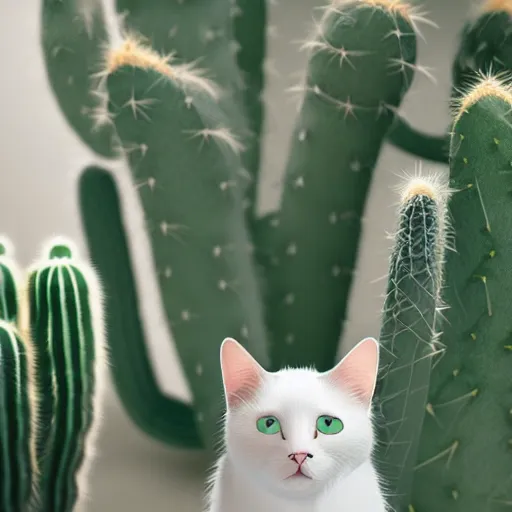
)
(409, 329)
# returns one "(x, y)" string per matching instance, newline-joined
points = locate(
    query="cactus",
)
(319, 223)
(409, 329)
(464, 460)
(66, 325)
(17, 464)
(52, 359)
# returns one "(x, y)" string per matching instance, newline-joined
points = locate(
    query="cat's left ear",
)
(241, 373)
(357, 372)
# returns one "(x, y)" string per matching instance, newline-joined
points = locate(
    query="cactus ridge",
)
(314, 246)
(16, 460)
(470, 394)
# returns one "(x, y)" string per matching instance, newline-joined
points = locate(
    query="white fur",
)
(251, 475)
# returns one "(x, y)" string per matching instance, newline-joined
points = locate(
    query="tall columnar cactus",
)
(464, 461)
(410, 326)
(17, 461)
(336, 142)
(173, 90)
(66, 325)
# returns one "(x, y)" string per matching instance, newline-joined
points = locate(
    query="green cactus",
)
(163, 113)
(9, 296)
(66, 323)
(326, 183)
(17, 464)
(409, 329)
(464, 459)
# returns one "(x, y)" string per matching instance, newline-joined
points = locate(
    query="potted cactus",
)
(173, 92)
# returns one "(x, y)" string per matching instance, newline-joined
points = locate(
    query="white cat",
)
(297, 440)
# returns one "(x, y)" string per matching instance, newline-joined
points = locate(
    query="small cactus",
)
(9, 277)
(464, 459)
(410, 326)
(17, 461)
(66, 325)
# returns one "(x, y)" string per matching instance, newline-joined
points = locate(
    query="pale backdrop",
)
(40, 157)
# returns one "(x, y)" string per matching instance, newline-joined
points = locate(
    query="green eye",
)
(329, 425)
(268, 425)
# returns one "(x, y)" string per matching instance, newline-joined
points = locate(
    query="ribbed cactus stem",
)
(464, 459)
(17, 461)
(409, 327)
(67, 330)
(9, 278)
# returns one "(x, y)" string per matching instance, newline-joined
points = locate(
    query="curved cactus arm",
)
(179, 144)
(67, 335)
(73, 37)
(461, 467)
(9, 282)
(409, 139)
(337, 139)
(17, 429)
(250, 26)
(161, 417)
(410, 326)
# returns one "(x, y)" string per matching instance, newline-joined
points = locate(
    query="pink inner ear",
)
(241, 373)
(357, 371)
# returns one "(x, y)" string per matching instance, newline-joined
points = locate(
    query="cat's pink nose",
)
(300, 457)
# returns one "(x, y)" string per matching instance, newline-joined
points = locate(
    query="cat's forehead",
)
(297, 386)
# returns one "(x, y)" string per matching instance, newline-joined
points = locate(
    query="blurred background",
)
(40, 158)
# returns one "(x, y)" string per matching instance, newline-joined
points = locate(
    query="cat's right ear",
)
(241, 373)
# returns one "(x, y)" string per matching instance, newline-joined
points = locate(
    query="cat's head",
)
(294, 431)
